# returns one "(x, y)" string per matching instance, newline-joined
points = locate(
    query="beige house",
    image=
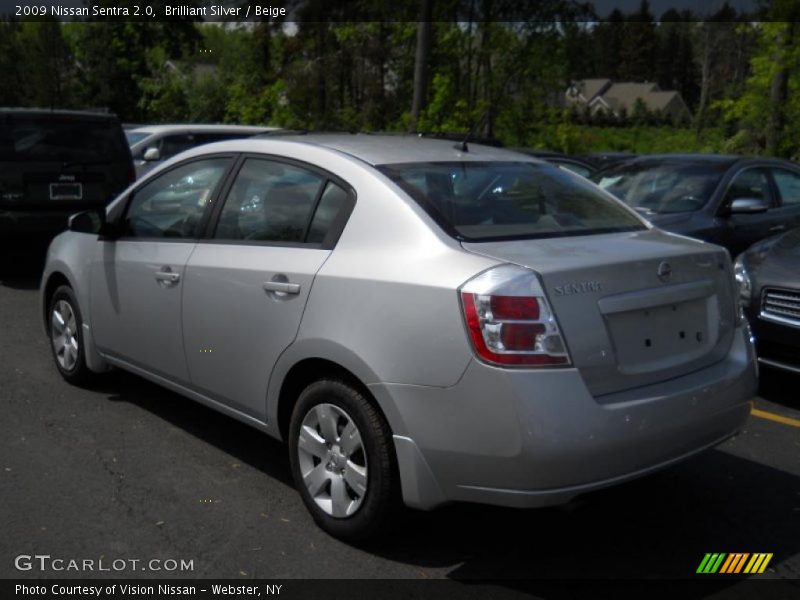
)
(604, 95)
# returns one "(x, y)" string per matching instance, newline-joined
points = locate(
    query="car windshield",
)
(482, 201)
(60, 138)
(662, 187)
(135, 136)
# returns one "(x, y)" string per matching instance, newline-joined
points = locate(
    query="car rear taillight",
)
(509, 320)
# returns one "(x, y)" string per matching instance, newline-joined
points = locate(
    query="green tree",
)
(47, 64)
(10, 64)
(639, 46)
(113, 59)
(767, 113)
(608, 38)
(675, 63)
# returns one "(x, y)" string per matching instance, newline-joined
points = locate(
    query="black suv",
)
(55, 163)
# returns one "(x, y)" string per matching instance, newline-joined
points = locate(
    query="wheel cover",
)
(64, 334)
(332, 459)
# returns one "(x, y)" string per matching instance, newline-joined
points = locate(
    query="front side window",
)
(172, 204)
(662, 187)
(269, 202)
(481, 201)
(750, 183)
(788, 184)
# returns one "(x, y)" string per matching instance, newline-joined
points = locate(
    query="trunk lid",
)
(634, 308)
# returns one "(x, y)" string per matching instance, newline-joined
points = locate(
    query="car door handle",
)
(167, 277)
(283, 287)
(777, 228)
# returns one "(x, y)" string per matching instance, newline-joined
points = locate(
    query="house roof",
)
(660, 100)
(589, 88)
(624, 95)
(617, 97)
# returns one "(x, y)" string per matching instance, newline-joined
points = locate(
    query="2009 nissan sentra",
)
(417, 319)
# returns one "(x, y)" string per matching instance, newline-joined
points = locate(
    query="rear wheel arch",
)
(306, 372)
(353, 488)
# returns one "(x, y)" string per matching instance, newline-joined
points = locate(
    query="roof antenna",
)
(463, 145)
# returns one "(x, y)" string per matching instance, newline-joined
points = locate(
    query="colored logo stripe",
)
(711, 562)
(759, 562)
(721, 562)
(735, 562)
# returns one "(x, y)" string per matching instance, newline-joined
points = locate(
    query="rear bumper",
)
(534, 438)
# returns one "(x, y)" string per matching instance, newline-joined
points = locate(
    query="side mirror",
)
(152, 154)
(749, 206)
(88, 221)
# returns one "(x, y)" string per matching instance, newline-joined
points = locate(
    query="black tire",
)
(77, 373)
(382, 495)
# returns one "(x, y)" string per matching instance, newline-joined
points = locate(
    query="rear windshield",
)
(482, 201)
(61, 139)
(660, 188)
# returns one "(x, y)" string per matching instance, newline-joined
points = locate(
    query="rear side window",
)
(269, 201)
(61, 138)
(480, 201)
(331, 203)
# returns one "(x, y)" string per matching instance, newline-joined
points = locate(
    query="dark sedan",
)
(727, 200)
(769, 287)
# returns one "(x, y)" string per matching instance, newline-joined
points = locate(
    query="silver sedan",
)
(418, 320)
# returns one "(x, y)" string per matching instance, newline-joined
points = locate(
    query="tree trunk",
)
(486, 62)
(421, 63)
(705, 83)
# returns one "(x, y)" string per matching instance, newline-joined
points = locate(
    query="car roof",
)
(42, 112)
(699, 158)
(200, 128)
(391, 149)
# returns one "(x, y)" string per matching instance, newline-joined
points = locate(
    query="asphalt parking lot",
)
(129, 470)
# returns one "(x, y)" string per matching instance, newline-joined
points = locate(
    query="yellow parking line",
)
(762, 414)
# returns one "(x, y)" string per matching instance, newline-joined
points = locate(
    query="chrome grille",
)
(781, 305)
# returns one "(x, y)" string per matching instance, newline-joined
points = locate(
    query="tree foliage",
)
(485, 70)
